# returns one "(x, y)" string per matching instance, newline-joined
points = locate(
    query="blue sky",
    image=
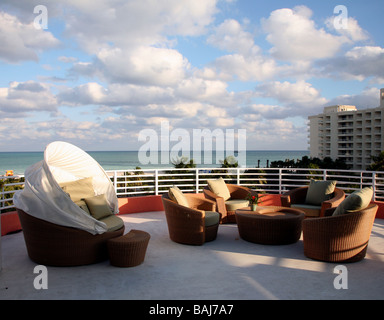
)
(104, 70)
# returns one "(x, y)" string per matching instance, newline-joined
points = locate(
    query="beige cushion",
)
(79, 189)
(319, 191)
(309, 210)
(113, 222)
(219, 188)
(356, 201)
(232, 205)
(178, 196)
(98, 206)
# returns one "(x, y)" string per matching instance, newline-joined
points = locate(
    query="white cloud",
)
(246, 63)
(359, 63)
(352, 32)
(294, 36)
(21, 41)
(29, 96)
(127, 24)
(246, 68)
(130, 65)
(231, 37)
(368, 98)
(272, 134)
(143, 65)
(299, 98)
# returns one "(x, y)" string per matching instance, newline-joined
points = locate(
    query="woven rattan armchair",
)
(54, 245)
(238, 193)
(187, 225)
(295, 198)
(342, 238)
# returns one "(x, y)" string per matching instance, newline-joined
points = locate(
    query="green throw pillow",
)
(178, 196)
(219, 188)
(82, 204)
(98, 206)
(356, 201)
(319, 191)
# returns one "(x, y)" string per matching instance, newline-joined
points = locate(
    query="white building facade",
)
(344, 132)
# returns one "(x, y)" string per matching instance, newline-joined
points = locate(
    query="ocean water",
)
(125, 160)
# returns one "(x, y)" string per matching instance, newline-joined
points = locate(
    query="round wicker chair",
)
(236, 192)
(342, 238)
(187, 225)
(55, 245)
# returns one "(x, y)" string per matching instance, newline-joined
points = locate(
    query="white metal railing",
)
(128, 183)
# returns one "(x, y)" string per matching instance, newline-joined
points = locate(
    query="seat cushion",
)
(113, 222)
(98, 206)
(219, 188)
(309, 210)
(178, 196)
(79, 189)
(319, 191)
(356, 201)
(232, 205)
(211, 218)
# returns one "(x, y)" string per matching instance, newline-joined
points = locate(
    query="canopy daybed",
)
(67, 208)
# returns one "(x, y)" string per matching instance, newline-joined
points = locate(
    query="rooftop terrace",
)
(228, 268)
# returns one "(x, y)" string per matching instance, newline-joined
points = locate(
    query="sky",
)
(101, 73)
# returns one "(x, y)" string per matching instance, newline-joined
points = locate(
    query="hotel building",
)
(344, 132)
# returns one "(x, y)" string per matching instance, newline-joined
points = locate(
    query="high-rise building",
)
(343, 131)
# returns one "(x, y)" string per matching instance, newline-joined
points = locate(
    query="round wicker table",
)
(270, 225)
(128, 250)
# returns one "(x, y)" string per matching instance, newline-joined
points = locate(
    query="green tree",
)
(378, 163)
(183, 163)
(229, 162)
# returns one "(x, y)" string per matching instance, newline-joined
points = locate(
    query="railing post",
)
(280, 181)
(197, 179)
(374, 185)
(115, 180)
(238, 176)
(156, 181)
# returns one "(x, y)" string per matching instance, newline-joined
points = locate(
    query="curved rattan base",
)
(187, 225)
(342, 238)
(54, 245)
(128, 250)
(270, 225)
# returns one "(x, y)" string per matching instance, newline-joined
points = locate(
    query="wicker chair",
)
(54, 245)
(186, 225)
(237, 193)
(342, 238)
(295, 198)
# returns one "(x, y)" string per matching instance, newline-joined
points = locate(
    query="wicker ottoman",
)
(128, 250)
(270, 225)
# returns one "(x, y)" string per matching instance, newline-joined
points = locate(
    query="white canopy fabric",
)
(43, 198)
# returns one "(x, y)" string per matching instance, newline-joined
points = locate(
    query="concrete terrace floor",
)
(228, 268)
